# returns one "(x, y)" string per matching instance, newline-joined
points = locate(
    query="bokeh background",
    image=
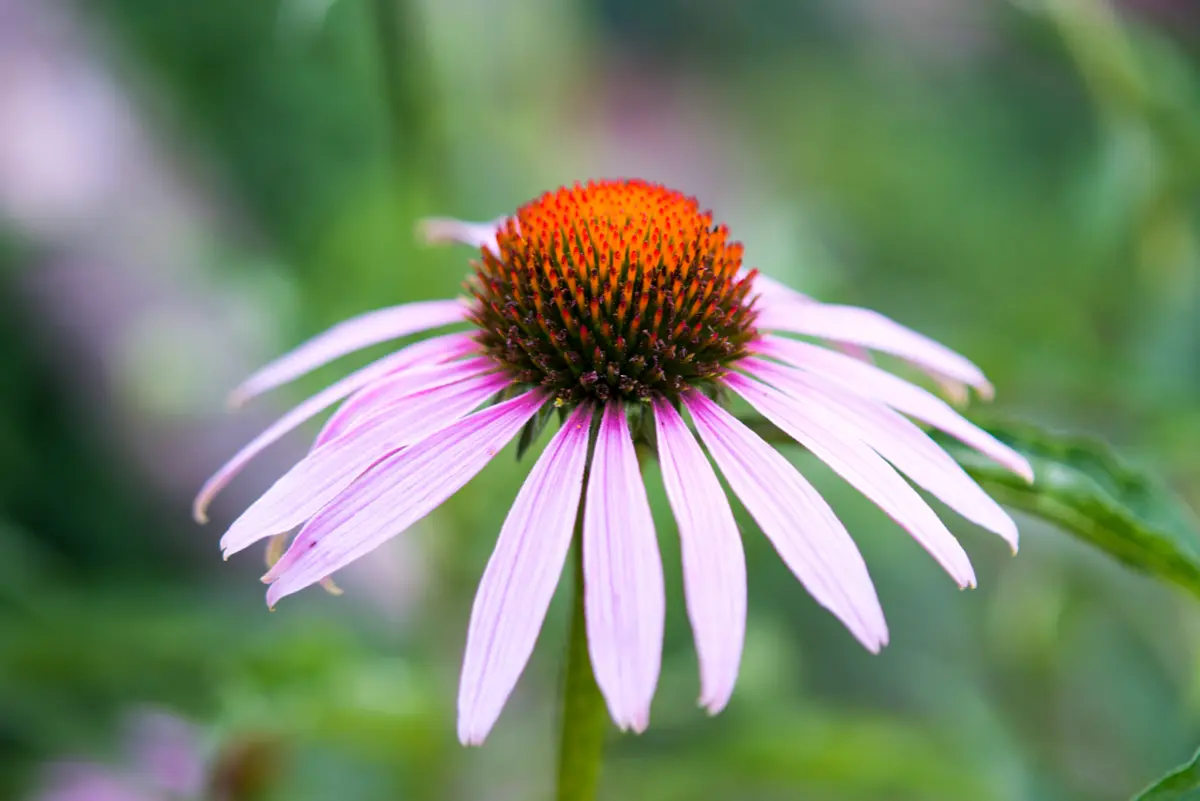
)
(189, 188)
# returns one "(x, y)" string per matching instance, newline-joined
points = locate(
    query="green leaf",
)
(1083, 488)
(1181, 784)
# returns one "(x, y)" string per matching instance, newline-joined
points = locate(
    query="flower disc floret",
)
(613, 289)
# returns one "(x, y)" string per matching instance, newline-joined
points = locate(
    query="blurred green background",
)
(189, 188)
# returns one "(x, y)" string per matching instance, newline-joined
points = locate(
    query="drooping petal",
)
(714, 565)
(871, 329)
(433, 350)
(444, 230)
(808, 536)
(351, 335)
(520, 578)
(769, 288)
(873, 382)
(896, 439)
(322, 475)
(397, 492)
(623, 582)
(382, 393)
(838, 445)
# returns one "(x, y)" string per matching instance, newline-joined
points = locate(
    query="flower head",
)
(620, 290)
(598, 299)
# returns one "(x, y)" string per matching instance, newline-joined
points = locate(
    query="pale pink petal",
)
(854, 351)
(351, 335)
(379, 395)
(322, 475)
(774, 291)
(520, 578)
(623, 580)
(837, 444)
(445, 230)
(870, 329)
(770, 289)
(397, 492)
(714, 566)
(440, 348)
(872, 382)
(808, 536)
(896, 439)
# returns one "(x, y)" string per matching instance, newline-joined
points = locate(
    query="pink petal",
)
(838, 445)
(872, 330)
(714, 566)
(770, 289)
(330, 469)
(381, 394)
(397, 492)
(896, 439)
(444, 230)
(351, 335)
(440, 348)
(872, 382)
(519, 582)
(623, 581)
(774, 291)
(804, 530)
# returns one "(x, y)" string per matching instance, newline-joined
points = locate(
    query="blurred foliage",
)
(1021, 180)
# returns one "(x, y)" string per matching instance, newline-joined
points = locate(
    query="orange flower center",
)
(613, 289)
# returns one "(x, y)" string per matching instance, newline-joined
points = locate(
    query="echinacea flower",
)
(614, 301)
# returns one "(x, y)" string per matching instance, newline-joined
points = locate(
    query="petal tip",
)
(713, 705)
(274, 596)
(967, 580)
(1011, 536)
(445, 231)
(878, 642)
(227, 546)
(200, 510)
(471, 736)
(433, 231)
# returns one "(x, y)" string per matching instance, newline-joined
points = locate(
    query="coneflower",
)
(621, 305)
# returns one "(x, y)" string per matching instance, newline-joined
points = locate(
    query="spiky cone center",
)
(614, 289)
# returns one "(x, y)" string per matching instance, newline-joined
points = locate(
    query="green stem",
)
(584, 715)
